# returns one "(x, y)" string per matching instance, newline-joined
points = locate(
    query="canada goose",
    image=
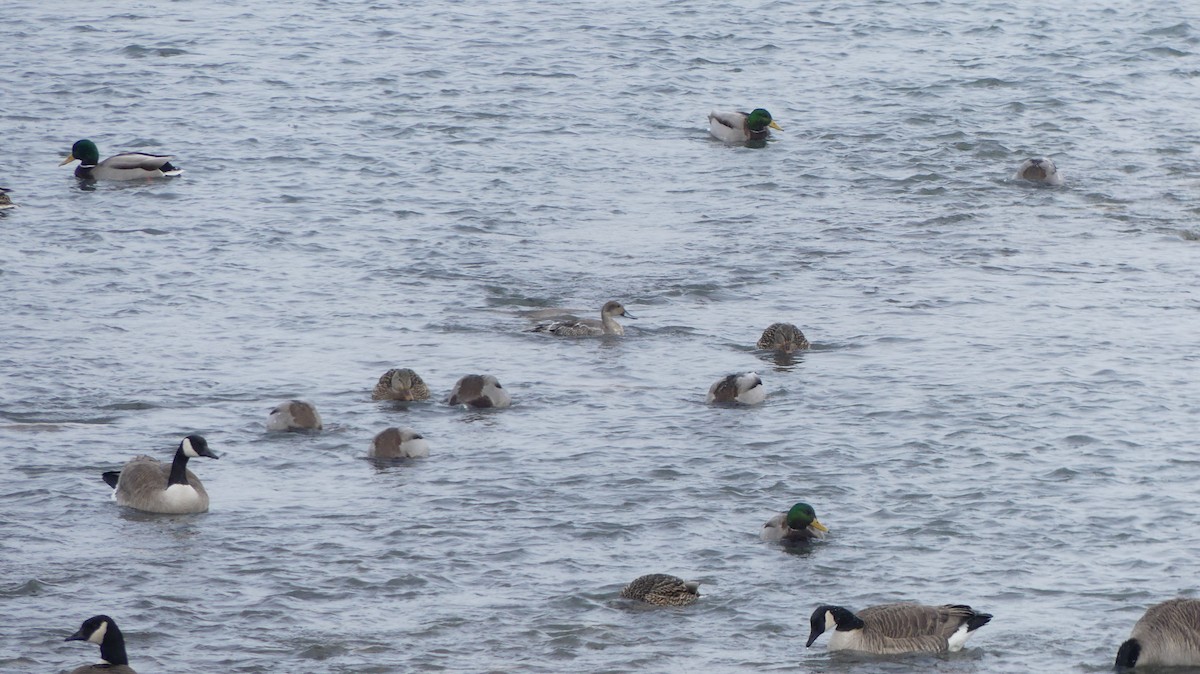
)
(400, 384)
(145, 483)
(662, 589)
(745, 388)
(890, 629)
(294, 415)
(783, 337)
(399, 443)
(1039, 170)
(589, 327)
(797, 525)
(5, 200)
(479, 390)
(124, 166)
(1168, 635)
(739, 127)
(103, 631)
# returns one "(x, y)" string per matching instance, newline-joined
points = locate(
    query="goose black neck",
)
(112, 649)
(178, 468)
(1127, 654)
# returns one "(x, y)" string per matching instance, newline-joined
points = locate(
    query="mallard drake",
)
(662, 589)
(745, 388)
(294, 415)
(480, 391)
(398, 443)
(147, 484)
(797, 525)
(1039, 170)
(1167, 635)
(783, 337)
(124, 166)
(891, 629)
(400, 384)
(5, 200)
(739, 127)
(590, 327)
(101, 630)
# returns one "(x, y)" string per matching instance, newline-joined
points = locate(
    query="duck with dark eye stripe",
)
(123, 166)
(480, 391)
(147, 484)
(101, 630)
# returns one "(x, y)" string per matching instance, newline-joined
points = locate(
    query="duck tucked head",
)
(802, 516)
(759, 119)
(85, 151)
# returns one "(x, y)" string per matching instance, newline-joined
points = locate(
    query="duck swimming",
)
(479, 391)
(5, 200)
(663, 590)
(123, 166)
(783, 337)
(745, 388)
(294, 415)
(797, 525)
(398, 443)
(739, 127)
(589, 327)
(1039, 170)
(400, 384)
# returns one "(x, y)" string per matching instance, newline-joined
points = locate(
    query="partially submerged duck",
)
(5, 200)
(663, 590)
(783, 337)
(1167, 635)
(123, 166)
(745, 388)
(893, 629)
(479, 391)
(102, 631)
(797, 525)
(398, 443)
(147, 484)
(590, 327)
(1039, 170)
(400, 384)
(739, 127)
(294, 415)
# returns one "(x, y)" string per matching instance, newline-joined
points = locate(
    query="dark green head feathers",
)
(801, 516)
(759, 120)
(86, 152)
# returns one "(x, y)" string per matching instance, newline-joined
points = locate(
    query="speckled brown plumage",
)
(662, 589)
(782, 337)
(400, 384)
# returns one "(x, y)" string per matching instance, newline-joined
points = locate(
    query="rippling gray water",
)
(999, 408)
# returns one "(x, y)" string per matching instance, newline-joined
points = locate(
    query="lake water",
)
(1000, 407)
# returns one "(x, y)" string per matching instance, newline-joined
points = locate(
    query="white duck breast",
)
(1168, 635)
(892, 629)
(480, 391)
(589, 327)
(744, 389)
(399, 443)
(147, 484)
(294, 415)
